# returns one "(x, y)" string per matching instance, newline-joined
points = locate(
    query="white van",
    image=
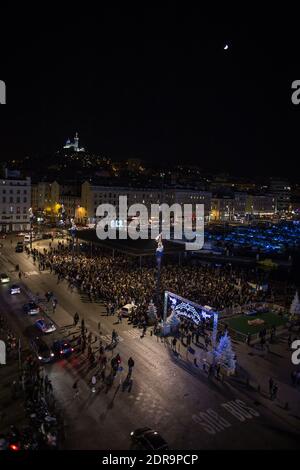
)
(127, 310)
(27, 237)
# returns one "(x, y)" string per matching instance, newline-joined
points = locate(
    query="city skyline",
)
(149, 233)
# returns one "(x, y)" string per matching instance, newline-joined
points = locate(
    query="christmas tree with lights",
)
(295, 305)
(152, 311)
(224, 353)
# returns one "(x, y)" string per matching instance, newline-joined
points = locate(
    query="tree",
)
(224, 352)
(152, 311)
(295, 305)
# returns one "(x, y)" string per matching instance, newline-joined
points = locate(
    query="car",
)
(15, 289)
(148, 439)
(62, 348)
(19, 248)
(127, 310)
(21, 234)
(43, 352)
(28, 238)
(31, 308)
(45, 326)
(4, 278)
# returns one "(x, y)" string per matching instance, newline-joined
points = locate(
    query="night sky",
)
(154, 83)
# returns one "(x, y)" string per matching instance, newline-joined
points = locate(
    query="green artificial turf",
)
(240, 323)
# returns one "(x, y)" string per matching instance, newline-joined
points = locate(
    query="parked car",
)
(62, 348)
(148, 439)
(4, 278)
(45, 326)
(43, 352)
(15, 289)
(31, 308)
(19, 248)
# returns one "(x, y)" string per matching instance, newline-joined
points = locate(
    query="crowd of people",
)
(94, 352)
(119, 279)
(30, 387)
(8, 336)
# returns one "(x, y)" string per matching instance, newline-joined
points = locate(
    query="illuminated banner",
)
(190, 310)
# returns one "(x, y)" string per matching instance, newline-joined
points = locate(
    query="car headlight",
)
(40, 358)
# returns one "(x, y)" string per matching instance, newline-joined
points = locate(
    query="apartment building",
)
(15, 201)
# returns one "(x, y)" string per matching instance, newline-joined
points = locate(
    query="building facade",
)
(261, 205)
(93, 195)
(15, 201)
(222, 209)
(281, 190)
(45, 196)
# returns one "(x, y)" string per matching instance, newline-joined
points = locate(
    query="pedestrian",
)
(114, 336)
(274, 392)
(294, 377)
(76, 319)
(92, 358)
(248, 339)
(130, 365)
(174, 342)
(144, 329)
(76, 390)
(46, 383)
(271, 385)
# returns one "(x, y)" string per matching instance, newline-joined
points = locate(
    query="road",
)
(168, 394)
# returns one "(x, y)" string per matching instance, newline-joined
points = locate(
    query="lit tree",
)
(295, 305)
(224, 352)
(152, 311)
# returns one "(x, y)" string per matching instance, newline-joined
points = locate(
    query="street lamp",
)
(73, 231)
(31, 217)
(159, 254)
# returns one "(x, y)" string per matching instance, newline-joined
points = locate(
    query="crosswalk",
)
(34, 273)
(131, 334)
(134, 334)
(107, 338)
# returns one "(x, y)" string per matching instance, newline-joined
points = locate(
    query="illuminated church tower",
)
(76, 142)
(74, 145)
